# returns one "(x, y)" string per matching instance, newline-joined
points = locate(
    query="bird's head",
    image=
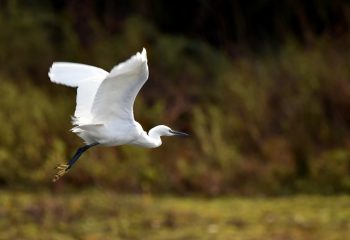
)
(163, 130)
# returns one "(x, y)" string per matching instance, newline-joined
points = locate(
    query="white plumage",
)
(104, 111)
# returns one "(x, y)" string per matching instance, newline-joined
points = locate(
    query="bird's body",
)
(104, 111)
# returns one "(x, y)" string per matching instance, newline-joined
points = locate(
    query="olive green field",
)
(100, 215)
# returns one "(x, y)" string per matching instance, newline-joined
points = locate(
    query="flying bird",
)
(104, 111)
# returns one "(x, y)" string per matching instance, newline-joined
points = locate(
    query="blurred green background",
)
(263, 88)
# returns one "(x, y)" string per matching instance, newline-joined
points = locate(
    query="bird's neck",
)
(154, 137)
(150, 140)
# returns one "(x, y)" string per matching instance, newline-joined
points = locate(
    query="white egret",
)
(104, 111)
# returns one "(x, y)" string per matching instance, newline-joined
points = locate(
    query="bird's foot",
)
(62, 169)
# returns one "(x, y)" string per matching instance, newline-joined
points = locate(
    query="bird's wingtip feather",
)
(50, 74)
(144, 54)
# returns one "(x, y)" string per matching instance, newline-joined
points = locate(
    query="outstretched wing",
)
(74, 74)
(86, 78)
(115, 96)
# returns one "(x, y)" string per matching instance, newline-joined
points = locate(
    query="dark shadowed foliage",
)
(263, 88)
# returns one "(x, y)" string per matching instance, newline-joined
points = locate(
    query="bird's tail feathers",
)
(85, 127)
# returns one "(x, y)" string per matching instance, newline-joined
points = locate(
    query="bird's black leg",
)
(63, 168)
(77, 155)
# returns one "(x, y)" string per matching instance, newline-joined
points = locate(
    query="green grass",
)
(100, 214)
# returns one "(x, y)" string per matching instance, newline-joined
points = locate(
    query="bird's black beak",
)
(180, 134)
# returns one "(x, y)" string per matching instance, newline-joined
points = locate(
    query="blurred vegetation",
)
(101, 215)
(266, 102)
